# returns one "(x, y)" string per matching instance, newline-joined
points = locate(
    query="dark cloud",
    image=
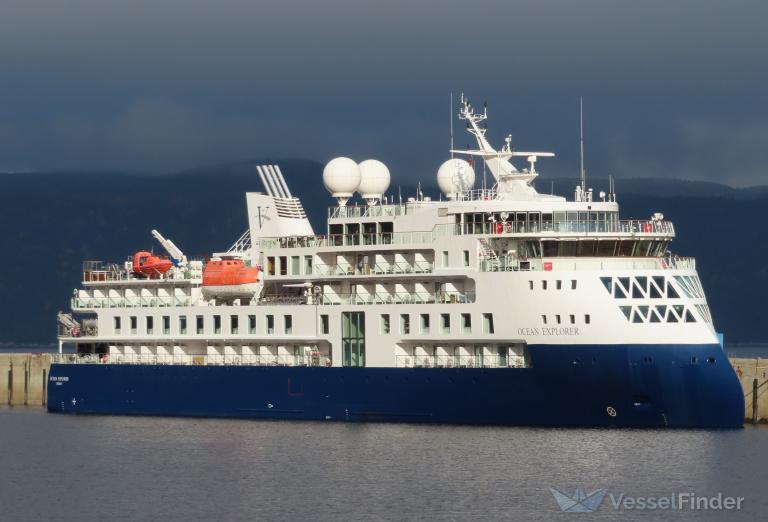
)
(671, 88)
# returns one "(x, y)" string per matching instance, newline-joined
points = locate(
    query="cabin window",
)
(251, 324)
(405, 324)
(573, 284)
(234, 324)
(543, 319)
(216, 324)
(307, 265)
(572, 318)
(182, 325)
(466, 257)
(283, 265)
(530, 285)
(488, 323)
(134, 324)
(166, 325)
(325, 325)
(288, 324)
(199, 324)
(445, 258)
(295, 265)
(543, 284)
(587, 319)
(557, 319)
(445, 323)
(116, 325)
(271, 265)
(425, 323)
(559, 284)
(466, 323)
(150, 323)
(384, 324)
(270, 324)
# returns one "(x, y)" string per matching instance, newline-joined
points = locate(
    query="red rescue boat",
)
(230, 278)
(148, 264)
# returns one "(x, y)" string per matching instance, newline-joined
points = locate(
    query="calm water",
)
(89, 468)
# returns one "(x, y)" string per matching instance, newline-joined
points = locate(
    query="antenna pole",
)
(581, 145)
(451, 114)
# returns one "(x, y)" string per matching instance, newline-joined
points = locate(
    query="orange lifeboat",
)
(148, 264)
(230, 278)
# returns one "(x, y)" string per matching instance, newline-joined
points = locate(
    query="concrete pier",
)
(24, 378)
(24, 381)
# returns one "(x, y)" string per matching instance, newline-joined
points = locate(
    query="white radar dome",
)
(374, 180)
(455, 176)
(341, 177)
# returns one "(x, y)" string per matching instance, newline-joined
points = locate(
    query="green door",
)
(353, 338)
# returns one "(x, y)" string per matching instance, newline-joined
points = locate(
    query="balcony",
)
(314, 359)
(397, 298)
(89, 303)
(459, 361)
(374, 269)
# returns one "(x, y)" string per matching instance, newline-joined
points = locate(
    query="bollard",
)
(754, 401)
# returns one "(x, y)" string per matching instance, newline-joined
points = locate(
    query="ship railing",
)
(651, 227)
(418, 267)
(310, 359)
(129, 302)
(398, 298)
(460, 361)
(281, 299)
(98, 272)
(77, 331)
(364, 211)
(510, 264)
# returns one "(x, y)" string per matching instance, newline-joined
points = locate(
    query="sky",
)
(671, 88)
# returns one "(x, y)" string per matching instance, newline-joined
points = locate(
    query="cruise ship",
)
(496, 305)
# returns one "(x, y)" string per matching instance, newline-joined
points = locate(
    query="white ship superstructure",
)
(490, 280)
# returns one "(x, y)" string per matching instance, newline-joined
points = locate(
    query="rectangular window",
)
(573, 284)
(116, 325)
(557, 318)
(445, 323)
(445, 258)
(199, 324)
(270, 324)
(307, 265)
(271, 265)
(288, 324)
(384, 323)
(182, 325)
(166, 325)
(572, 318)
(543, 284)
(466, 323)
(405, 324)
(325, 325)
(234, 324)
(283, 265)
(543, 319)
(488, 323)
(150, 321)
(559, 284)
(134, 324)
(466, 257)
(530, 285)
(251, 324)
(216, 324)
(425, 323)
(295, 265)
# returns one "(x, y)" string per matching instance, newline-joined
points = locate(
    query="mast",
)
(581, 146)
(451, 114)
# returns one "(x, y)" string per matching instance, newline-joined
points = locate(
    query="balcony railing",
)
(129, 302)
(460, 361)
(419, 267)
(314, 359)
(77, 332)
(398, 298)
(504, 264)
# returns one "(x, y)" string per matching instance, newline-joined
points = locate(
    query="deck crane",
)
(177, 256)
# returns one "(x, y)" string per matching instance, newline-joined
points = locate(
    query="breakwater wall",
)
(24, 382)
(24, 378)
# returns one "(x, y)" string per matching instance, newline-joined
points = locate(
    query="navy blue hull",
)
(679, 386)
